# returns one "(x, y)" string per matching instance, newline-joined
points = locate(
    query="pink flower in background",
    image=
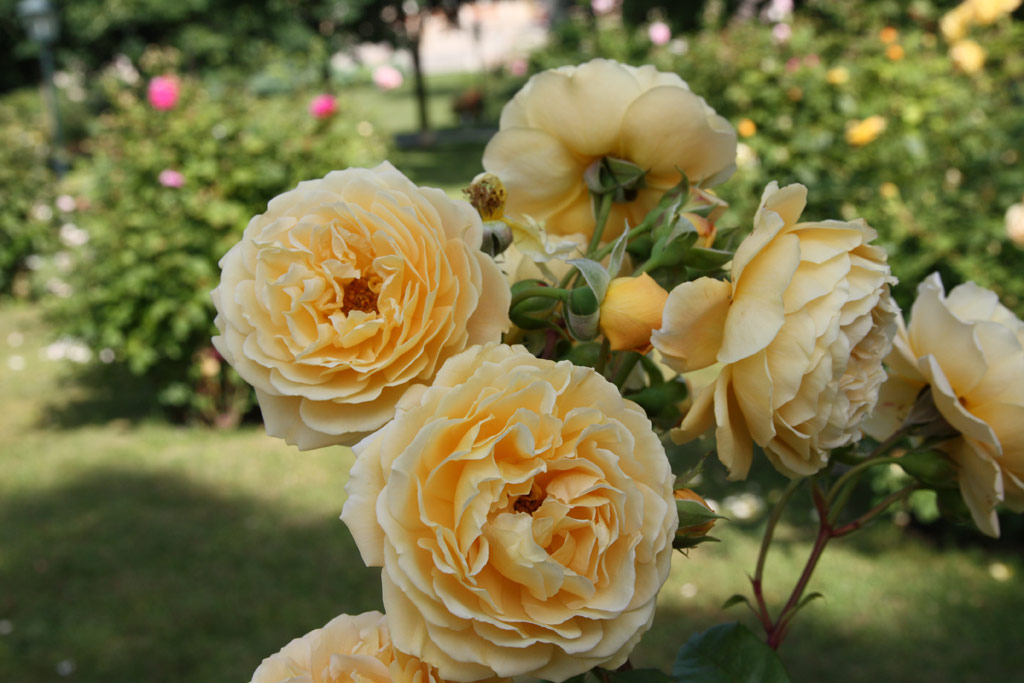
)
(793, 63)
(387, 77)
(602, 6)
(171, 178)
(781, 32)
(163, 92)
(659, 33)
(323, 106)
(518, 67)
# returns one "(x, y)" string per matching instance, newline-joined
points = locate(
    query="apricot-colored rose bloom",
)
(967, 56)
(800, 334)
(970, 349)
(865, 132)
(348, 648)
(565, 119)
(523, 513)
(346, 292)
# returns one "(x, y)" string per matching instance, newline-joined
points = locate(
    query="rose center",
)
(361, 295)
(527, 503)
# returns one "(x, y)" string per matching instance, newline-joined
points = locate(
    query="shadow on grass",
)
(965, 635)
(441, 166)
(97, 394)
(137, 577)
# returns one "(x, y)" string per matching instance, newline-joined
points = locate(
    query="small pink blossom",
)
(387, 77)
(163, 92)
(781, 32)
(171, 178)
(602, 6)
(659, 33)
(793, 63)
(323, 106)
(518, 67)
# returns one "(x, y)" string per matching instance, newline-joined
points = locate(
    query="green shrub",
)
(27, 187)
(938, 180)
(141, 284)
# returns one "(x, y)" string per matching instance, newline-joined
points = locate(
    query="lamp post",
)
(40, 19)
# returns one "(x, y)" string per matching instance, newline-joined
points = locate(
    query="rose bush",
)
(348, 648)
(346, 292)
(523, 513)
(800, 332)
(970, 350)
(565, 119)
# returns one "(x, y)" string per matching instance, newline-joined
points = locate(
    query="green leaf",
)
(728, 653)
(735, 600)
(700, 258)
(618, 252)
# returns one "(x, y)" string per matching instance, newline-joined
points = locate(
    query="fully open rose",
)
(969, 349)
(523, 513)
(565, 119)
(348, 290)
(800, 333)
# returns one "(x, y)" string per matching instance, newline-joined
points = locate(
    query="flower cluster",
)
(518, 499)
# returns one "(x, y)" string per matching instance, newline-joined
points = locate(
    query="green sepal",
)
(932, 468)
(687, 542)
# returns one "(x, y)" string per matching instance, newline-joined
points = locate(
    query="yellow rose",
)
(970, 350)
(346, 292)
(837, 75)
(800, 334)
(565, 119)
(522, 511)
(954, 23)
(1015, 223)
(967, 56)
(863, 132)
(631, 310)
(348, 648)
(746, 128)
(988, 11)
(895, 52)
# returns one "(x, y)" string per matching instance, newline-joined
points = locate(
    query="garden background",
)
(150, 530)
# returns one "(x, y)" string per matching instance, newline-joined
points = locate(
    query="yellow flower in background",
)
(954, 23)
(889, 34)
(985, 12)
(967, 56)
(523, 513)
(346, 292)
(348, 648)
(799, 333)
(837, 75)
(563, 120)
(631, 310)
(864, 132)
(746, 128)
(969, 349)
(1015, 223)
(889, 190)
(895, 52)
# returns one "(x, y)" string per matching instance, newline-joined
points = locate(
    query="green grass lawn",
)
(134, 550)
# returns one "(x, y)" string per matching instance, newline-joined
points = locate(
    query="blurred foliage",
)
(140, 285)
(935, 183)
(26, 186)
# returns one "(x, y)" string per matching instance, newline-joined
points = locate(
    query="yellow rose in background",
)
(863, 132)
(800, 334)
(969, 349)
(523, 513)
(1015, 223)
(346, 292)
(631, 310)
(348, 648)
(565, 119)
(967, 56)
